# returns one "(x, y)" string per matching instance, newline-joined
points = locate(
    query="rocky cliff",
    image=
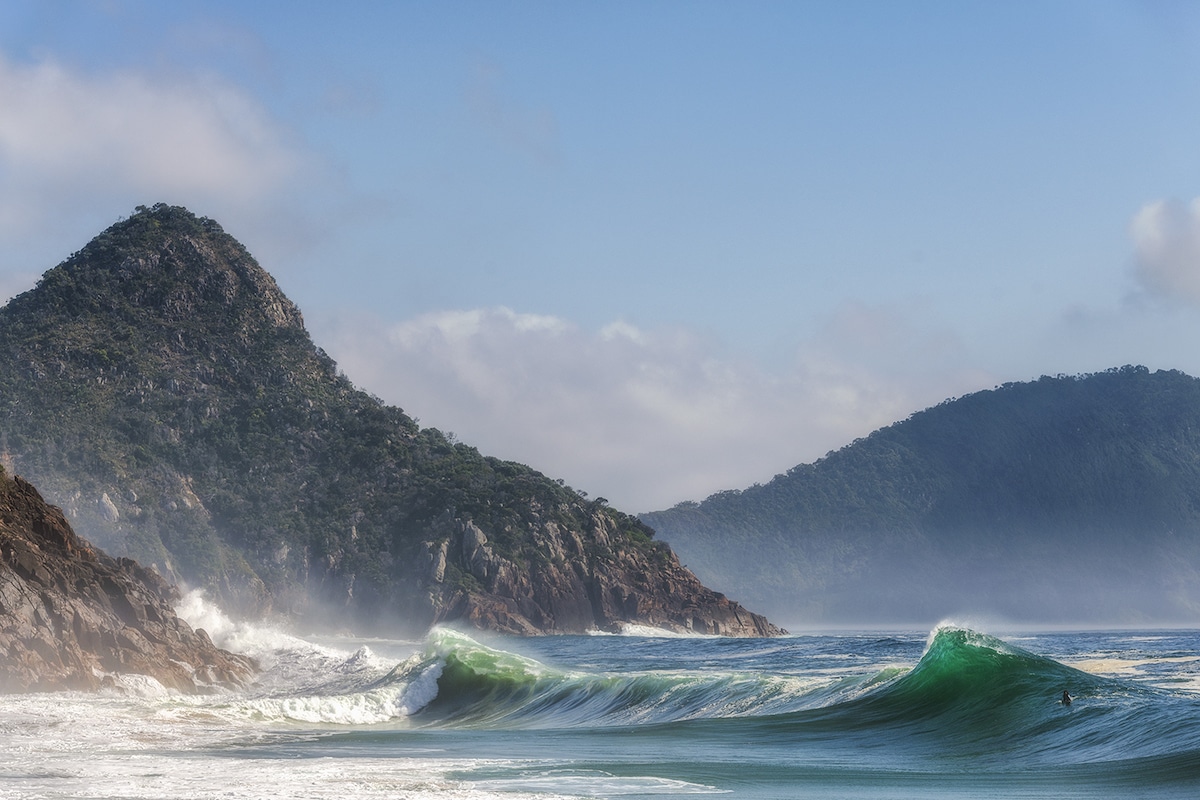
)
(160, 387)
(72, 617)
(582, 580)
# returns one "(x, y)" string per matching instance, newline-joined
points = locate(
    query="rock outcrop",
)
(596, 579)
(72, 617)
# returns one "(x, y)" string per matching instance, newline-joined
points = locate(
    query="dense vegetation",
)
(161, 388)
(1070, 498)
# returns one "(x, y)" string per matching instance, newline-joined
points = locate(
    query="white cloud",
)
(149, 133)
(78, 148)
(645, 418)
(1166, 237)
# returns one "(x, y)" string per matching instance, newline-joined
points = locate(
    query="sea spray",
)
(259, 640)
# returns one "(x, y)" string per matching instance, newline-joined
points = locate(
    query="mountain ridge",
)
(164, 391)
(1066, 499)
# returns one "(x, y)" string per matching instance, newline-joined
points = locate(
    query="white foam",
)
(597, 784)
(370, 699)
(651, 632)
(422, 690)
(305, 682)
(141, 776)
(110, 745)
(1129, 667)
(136, 685)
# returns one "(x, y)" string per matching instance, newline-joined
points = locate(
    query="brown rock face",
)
(71, 616)
(575, 581)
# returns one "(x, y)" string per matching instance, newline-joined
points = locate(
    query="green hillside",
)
(1073, 499)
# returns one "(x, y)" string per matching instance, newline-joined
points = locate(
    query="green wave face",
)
(975, 699)
(964, 673)
(481, 686)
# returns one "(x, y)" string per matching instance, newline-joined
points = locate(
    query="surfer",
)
(1066, 698)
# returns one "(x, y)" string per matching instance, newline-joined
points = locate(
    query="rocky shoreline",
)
(584, 581)
(72, 617)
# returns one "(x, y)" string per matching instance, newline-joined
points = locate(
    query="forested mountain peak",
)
(164, 263)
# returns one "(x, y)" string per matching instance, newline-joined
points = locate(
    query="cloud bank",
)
(1166, 238)
(79, 147)
(645, 418)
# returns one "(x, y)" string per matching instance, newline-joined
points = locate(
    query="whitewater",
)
(952, 712)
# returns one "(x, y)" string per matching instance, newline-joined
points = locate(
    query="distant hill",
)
(161, 388)
(1066, 499)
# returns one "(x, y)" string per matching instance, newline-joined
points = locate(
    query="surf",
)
(482, 686)
(952, 713)
(969, 698)
(960, 676)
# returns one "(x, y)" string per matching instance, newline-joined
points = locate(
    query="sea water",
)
(955, 712)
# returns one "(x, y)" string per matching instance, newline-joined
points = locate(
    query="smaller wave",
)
(383, 704)
(484, 687)
(456, 680)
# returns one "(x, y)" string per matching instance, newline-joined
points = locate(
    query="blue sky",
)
(657, 249)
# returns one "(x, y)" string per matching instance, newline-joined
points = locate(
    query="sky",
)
(656, 249)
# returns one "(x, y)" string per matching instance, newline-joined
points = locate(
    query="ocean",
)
(952, 712)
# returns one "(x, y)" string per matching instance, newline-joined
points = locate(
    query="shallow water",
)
(952, 713)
